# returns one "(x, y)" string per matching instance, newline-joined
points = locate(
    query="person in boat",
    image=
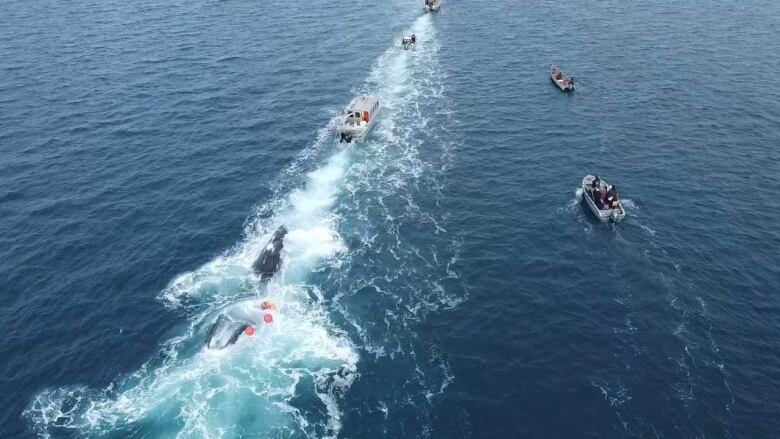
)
(595, 183)
(601, 200)
(559, 76)
(612, 198)
(414, 39)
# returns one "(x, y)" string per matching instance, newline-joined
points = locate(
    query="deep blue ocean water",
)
(442, 278)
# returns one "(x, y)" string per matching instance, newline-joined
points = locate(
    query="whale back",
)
(224, 332)
(267, 264)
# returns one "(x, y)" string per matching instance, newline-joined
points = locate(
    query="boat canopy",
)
(362, 108)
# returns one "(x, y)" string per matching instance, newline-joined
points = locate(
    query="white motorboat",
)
(359, 117)
(606, 207)
(432, 5)
(562, 80)
(408, 42)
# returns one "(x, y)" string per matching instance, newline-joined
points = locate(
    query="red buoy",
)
(267, 305)
(250, 331)
(268, 318)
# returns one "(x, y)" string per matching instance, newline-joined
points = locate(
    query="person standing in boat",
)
(414, 39)
(596, 182)
(602, 198)
(612, 198)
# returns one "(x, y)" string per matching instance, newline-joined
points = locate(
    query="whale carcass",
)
(267, 264)
(244, 317)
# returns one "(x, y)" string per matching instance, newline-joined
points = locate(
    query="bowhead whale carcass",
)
(242, 318)
(267, 264)
(225, 332)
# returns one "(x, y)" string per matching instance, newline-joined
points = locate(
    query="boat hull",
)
(561, 86)
(355, 135)
(613, 215)
(358, 119)
(432, 8)
(565, 83)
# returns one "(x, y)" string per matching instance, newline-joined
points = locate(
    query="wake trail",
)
(696, 363)
(293, 375)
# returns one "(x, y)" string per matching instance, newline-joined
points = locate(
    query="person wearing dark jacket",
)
(612, 197)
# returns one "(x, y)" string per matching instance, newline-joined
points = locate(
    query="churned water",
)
(440, 279)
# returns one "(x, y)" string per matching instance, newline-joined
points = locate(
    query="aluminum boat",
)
(358, 119)
(591, 195)
(562, 80)
(432, 5)
(408, 42)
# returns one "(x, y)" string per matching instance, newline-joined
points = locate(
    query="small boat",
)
(359, 117)
(591, 187)
(408, 42)
(562, 80)
(432, 5)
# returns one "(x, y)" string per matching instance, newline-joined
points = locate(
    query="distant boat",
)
(432, 5)
(562, 80)
(591, 186)
(408, 42)
(358, 119)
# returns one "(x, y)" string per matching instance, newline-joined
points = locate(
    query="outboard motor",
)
(267, 264)
(346, 137)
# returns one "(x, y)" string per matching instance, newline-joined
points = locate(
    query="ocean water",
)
(441, 279)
